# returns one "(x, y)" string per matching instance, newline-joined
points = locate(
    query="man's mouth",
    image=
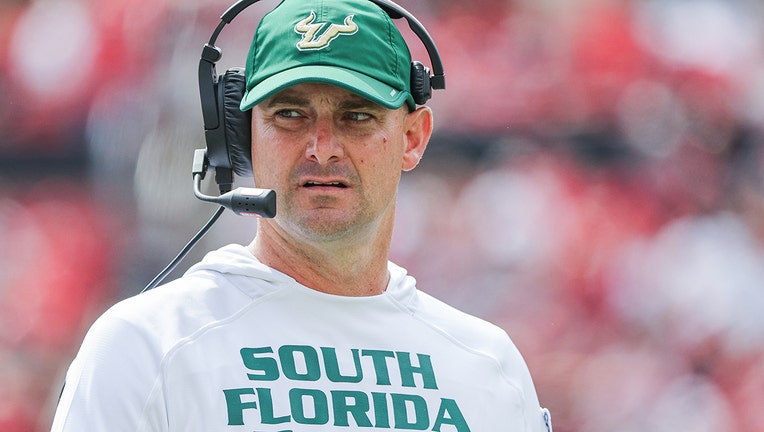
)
(336, 184)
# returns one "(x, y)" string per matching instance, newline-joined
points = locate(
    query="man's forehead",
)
(312, 93)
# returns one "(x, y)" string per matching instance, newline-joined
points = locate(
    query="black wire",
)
(186, 249)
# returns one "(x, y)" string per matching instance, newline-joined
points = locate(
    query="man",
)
(310, 327)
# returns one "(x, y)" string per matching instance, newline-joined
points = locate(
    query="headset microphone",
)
(242, 201)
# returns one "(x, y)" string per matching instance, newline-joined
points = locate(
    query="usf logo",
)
(311, 40)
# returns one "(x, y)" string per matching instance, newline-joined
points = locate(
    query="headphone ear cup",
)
(421, 88)
(237, 123)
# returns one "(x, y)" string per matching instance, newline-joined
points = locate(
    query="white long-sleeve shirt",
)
(234, 345)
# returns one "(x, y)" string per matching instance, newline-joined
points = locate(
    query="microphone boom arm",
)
(243, 201)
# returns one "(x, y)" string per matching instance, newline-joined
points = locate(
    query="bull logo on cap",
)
(308, 30)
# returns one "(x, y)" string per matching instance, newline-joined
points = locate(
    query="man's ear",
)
(418, 129)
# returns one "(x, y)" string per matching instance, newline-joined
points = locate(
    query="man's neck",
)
(341, 267)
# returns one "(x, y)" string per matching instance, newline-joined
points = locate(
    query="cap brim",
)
(355, 82)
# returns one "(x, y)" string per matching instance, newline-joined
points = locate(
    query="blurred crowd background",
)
(595, 186)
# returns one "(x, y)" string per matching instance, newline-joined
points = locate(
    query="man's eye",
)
(358, 116)
(286, 113)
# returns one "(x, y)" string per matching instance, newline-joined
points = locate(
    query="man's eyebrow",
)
(360, 103)
(287, 99)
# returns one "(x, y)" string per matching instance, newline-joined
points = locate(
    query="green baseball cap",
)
(351, 44)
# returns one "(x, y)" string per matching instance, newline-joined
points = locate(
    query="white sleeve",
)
(546, 419)
(537, 418)
(114, 383)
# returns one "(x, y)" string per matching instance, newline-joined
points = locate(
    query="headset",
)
(227, 130)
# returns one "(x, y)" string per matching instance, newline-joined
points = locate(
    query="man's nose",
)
(324, 145)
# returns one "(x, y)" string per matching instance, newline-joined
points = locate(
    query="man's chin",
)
(326, 224)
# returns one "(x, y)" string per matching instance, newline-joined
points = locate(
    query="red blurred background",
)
(595, 185)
